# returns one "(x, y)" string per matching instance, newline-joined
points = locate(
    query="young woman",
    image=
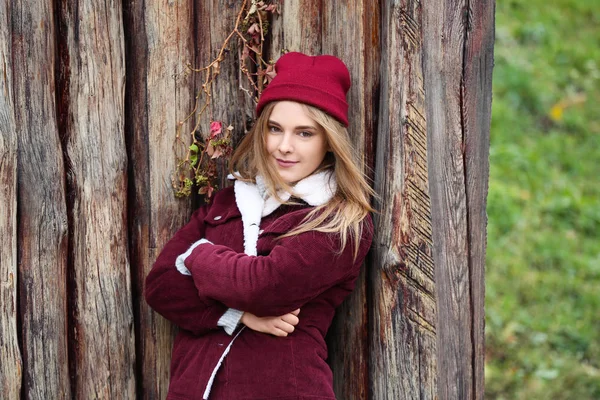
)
(254, 278)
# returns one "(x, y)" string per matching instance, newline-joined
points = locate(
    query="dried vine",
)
(198, 167)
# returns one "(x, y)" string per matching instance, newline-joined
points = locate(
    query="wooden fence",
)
(90, 94)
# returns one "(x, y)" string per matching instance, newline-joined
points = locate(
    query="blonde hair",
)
(351, 202)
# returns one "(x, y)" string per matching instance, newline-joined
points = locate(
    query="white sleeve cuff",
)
(180, 262)
(230, 320)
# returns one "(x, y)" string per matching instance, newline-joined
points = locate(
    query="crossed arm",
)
(270, 289)
(174, 295)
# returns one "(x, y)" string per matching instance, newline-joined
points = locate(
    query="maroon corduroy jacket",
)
(305, 271)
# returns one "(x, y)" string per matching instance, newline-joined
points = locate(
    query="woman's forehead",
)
(293, 114)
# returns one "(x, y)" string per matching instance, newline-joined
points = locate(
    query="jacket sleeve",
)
(297, 270)
(172, 294)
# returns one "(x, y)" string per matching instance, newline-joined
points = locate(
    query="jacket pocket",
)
(192, 362)
(225, 227)
(220, 215)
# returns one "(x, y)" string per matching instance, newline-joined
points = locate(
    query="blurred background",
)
(543, 253)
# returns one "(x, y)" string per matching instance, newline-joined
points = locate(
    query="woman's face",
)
(296, 145)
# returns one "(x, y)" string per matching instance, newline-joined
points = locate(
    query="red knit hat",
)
(320, 81)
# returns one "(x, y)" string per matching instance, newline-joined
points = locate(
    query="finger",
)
(284, 326)
(290, 319)
(296, 312)
(279, 332)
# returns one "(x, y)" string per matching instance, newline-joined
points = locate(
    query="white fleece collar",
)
(316, 189)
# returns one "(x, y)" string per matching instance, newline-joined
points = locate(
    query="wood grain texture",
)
(298, 28)
(11, 366)
(93, 75)
(444, 52)
(87, 143)
(159, 93)
(403, 318)
(358, 46)
(458, 67)
(42, 222)
(477, 105)
(203, 56)
(229, 104)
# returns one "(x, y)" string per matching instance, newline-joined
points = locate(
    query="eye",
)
(305, 134)
(274, 129)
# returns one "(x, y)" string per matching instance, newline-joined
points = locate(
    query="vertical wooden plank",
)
(444, 42)
(403, 330)
(42, 223)
(358, 46)
(477, 112)
(443, 66)
(229, 104)
(11, 367)
(92, 92)
(458, 63)
(204, 55)
(298, 28)
(159, 91)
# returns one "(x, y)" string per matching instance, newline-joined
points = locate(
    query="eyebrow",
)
(297, 127)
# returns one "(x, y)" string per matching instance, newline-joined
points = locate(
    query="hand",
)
(281, 326)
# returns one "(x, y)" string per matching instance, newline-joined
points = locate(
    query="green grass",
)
(543, 255)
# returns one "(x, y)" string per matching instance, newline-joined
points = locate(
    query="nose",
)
(286, 144)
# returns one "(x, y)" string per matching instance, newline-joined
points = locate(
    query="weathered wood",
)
(42, 223)
(298, 28)
(403, 329)
(203, 56)
(92, 92)
(229, 104)
(477, 112)
(458, 67)
(11, 366)
(384, 342)
(358, 45)
(159, 46)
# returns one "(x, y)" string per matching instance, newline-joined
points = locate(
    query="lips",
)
(286, 163)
